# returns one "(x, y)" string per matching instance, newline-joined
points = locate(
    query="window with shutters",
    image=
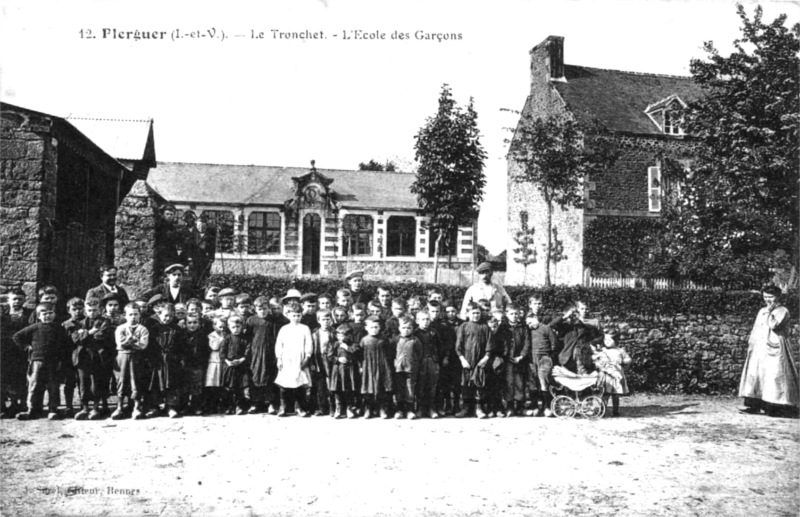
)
(264, 233)
(401, 236)
(654, 188)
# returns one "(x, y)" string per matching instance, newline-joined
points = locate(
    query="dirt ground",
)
(664, 456)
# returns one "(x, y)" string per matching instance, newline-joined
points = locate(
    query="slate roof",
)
(618, 99)
(205, 183)
(124, 139)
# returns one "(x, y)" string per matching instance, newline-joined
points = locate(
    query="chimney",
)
(547, 59)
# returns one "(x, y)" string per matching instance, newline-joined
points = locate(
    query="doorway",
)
(311, 238)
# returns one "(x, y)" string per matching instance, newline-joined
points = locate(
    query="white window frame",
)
(654, 194)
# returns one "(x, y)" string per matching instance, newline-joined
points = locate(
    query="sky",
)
(339, 99)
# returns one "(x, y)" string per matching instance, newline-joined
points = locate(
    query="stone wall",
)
(27, 172)
(687, 353)
(248, 266)
(135, 240)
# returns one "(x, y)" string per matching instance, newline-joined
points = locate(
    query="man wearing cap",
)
(485, 289)
(108, 277)
(355, 282)
(172, 290)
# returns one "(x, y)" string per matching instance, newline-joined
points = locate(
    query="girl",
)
(214, 372)
(376, 385)
(293, 350)
(609, 361)
(235, 351)
(344, 378)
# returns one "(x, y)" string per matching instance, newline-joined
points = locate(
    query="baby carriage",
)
(576, 401)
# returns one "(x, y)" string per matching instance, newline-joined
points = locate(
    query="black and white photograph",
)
(378, 258)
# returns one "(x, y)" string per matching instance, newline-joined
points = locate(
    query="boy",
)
(166, 353)
(323, 338)
(208, 309)
(393, 323)
(235, 352)
(385, 301)
(516, 356)
(408, 351)
(428, 378)
(259, 328)
(340, 316)
(577, 339)
(543, 344)
(90, 335)
(451, 314)
(344, 298)
(413, 307)
(196, 360)
(13, 363)
(180, 314)
(308, 302)
(212, 295)
(324, 302)
(472, 347)
(48, 347)
(243, 306)
(131, 339)
(47, 294)
(486, 310)
(496, 368)
(449, 366)
(435, 295)
(227, 298)
(358, 314)
(69, 371)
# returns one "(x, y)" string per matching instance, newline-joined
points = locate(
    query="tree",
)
(526, 245)
(553, 158)
(372, 165)
(739, 204)
(450, 179)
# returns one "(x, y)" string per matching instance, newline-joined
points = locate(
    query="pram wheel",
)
(592, 407)
(563, 406)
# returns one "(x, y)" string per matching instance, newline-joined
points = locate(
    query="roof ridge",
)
(633, 73)
(277, 167)
(71, 117)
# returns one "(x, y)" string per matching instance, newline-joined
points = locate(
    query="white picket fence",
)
(650, 283)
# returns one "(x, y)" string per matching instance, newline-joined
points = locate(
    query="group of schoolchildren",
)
(346, 356)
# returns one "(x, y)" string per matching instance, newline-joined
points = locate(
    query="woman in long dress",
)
(769, 380)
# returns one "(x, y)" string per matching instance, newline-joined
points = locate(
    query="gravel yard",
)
(667, 455)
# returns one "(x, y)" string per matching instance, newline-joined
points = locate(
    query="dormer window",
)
(665, 115)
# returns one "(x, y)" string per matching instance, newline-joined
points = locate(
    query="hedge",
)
(608, 302)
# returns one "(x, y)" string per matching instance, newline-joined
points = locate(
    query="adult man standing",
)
(485, 289)
(355, 282)
(172, 290)
(108, 276)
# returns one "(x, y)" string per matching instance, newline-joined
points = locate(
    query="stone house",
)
(60, 193)
(634, 112)
(299, 221)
